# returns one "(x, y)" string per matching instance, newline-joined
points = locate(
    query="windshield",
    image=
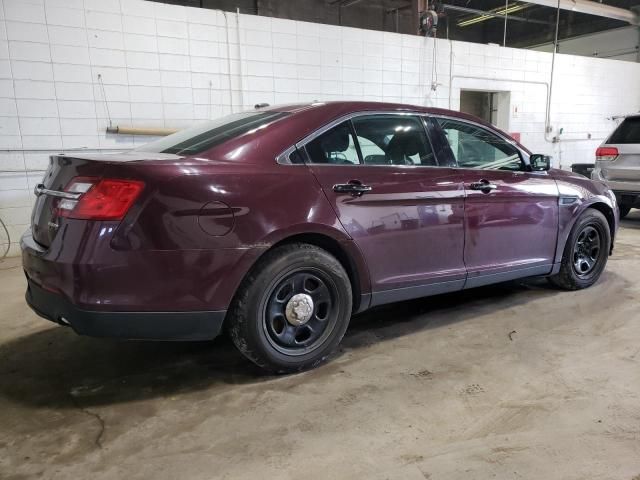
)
(209, 134)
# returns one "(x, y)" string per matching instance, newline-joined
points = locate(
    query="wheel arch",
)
(570, 214)
(337, 244)
(609, 214)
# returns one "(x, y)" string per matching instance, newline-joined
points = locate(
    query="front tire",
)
(585, 253)
(292, 310)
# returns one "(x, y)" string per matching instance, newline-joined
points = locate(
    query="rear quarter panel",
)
(267, 204)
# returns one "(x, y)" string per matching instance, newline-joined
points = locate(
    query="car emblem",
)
(53, 225)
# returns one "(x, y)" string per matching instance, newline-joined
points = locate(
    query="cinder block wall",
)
(68, 67)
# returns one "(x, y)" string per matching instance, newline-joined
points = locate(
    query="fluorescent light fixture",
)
(498, 11)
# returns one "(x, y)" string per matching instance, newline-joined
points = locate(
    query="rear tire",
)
(585, 253)
(292, 310)
(624, 210)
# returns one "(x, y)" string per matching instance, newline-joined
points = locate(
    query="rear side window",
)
(393, 140)
(374, 140)
(627, 132)
(210, 134)
(335, 146)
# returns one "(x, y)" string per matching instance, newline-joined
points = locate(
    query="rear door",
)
(511, 215)
(403, 210)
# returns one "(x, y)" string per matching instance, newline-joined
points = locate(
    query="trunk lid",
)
(45, 223)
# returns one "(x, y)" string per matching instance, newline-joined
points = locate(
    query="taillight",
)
(100, 199)
(606, 154)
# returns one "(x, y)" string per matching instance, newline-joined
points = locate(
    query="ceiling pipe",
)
(592, 8)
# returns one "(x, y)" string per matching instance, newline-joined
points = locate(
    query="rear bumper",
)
(617, 185)
(80, 281)
(82, 267)
(627, 193)
(129, 325)
(628, 198)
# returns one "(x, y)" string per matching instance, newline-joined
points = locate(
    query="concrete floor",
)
(511, 381)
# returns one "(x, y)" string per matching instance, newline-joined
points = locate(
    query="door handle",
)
(354, 187)
(483, 185)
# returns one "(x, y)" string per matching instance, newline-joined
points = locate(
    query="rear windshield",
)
(627, 132)
(212, 133)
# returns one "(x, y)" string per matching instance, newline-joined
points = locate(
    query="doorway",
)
(492, 107)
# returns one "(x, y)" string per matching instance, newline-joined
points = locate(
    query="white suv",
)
(618, 163)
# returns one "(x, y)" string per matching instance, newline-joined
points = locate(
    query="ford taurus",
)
(278, 224)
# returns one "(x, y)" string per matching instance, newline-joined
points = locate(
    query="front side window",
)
(210, 134)
(393, 140)
(476, 147)
(335, 146)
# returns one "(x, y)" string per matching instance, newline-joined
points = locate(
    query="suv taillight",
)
(100, 199)
(606, 154)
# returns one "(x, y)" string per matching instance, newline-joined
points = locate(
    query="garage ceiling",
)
(536, 24)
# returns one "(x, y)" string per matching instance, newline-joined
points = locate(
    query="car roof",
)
(345, 107)
(334, 109)
(305, 118)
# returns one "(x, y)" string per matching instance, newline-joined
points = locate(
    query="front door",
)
(402, 209)
(511, 215)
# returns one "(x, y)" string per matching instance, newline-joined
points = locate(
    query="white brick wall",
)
(165, 65)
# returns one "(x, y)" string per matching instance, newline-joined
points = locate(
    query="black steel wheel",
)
(299, 311)
(292, 310)
(586, 252)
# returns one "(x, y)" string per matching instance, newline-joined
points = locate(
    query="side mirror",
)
(539, 162)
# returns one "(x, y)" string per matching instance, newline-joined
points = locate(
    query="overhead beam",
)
(344, 3)
(592, 8)
(485, 13)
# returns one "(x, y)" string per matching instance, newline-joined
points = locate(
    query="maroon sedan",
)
(278, 224)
